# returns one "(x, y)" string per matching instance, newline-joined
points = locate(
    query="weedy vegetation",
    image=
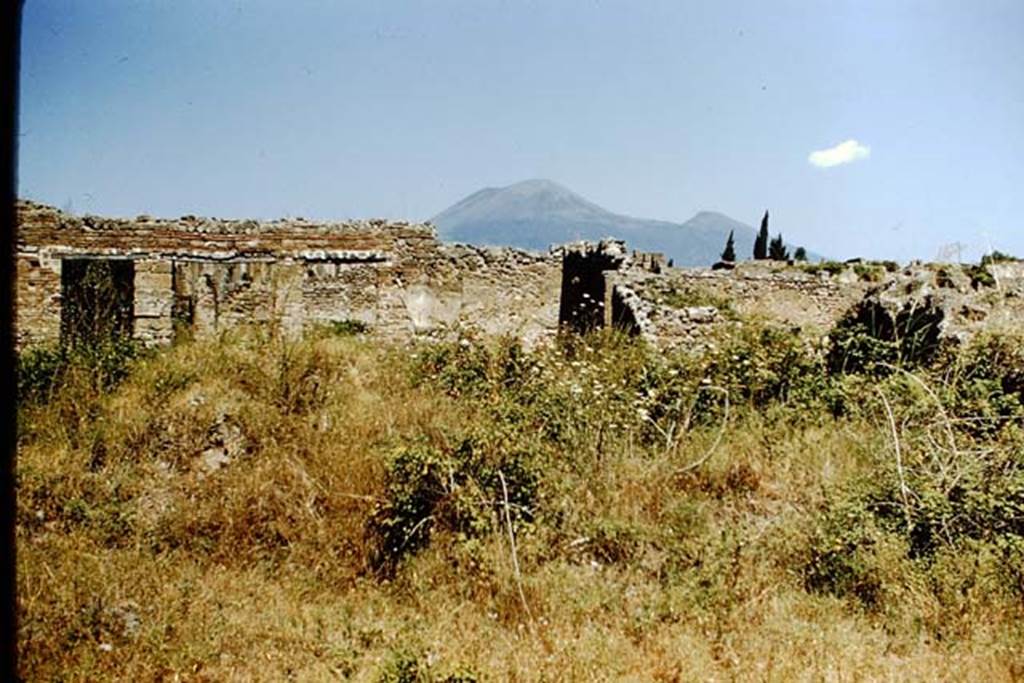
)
(764, 508)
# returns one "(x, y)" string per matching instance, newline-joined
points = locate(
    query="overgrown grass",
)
(257, 508)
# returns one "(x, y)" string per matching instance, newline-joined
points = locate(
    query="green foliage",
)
(766, 364)
(800, 254)
(463, 367)
(947, 495)
(997, 357)
(459, 491)
(345, 328)
(729, 253)
(777, 249)
(997, 256)
(831, 267)
(980, 276)
(103, 364)
(407, 667)
(985, 385)
(39, 370)
(855, 348)
(848, 555)
(761, 241)
(868, 272)
(870, 339)
(875, 525)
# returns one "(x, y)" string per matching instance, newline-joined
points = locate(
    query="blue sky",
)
(655, 109)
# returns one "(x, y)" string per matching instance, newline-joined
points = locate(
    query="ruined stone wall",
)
(208, 275)
(680, 306)
(37, 299)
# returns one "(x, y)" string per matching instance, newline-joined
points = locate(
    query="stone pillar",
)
(154, 302)
(38, 300)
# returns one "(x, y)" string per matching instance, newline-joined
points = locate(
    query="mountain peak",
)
(535, 185)
(538, 213)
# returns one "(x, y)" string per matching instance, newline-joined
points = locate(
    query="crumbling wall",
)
(208, 275)
(681, 306)
(37, 299)
(585, 295)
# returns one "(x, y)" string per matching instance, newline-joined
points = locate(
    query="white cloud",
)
(843, 153)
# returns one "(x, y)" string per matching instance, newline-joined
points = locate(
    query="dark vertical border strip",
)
(10, 46)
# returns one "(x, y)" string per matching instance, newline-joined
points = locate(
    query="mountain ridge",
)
(537, 213)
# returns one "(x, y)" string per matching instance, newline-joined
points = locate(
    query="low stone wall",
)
(209, 275)
(680, 306)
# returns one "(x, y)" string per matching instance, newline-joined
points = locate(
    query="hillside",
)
(535, 214)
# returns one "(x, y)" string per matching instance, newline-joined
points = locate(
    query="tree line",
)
(765, 247)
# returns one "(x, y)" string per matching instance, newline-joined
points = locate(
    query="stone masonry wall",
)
(209, 275)
(680, 306)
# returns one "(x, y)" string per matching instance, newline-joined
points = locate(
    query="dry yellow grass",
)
(138, 560)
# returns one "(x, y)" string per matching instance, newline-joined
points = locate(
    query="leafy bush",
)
(39, 370)
(871, 339)
(868, 272)
(460, 367)
(943, 495)
(831, 267)
(345, 328)
(980, 276)
(459, 491)
(407, 667)
(765, 364)
(997, 257)
(103, 364)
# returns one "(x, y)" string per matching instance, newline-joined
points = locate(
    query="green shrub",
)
(980, 276)
(844, 558)
(458, 368)
(939, 501)
(854, 348)
(764, 364)
(407, 667)
(997, 257)
(459, 491)
(345, 328)
(103, 364)
(39, 371)
(868, 272)
(833, 268)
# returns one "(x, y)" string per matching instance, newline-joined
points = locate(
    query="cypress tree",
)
(777, 249)
(800, 254)
(729, 253)
(761, 242)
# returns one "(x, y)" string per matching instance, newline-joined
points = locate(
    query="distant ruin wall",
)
(208, 275)
(679, 306)
(204, 276)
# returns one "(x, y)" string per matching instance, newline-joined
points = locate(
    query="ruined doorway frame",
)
(95, 305)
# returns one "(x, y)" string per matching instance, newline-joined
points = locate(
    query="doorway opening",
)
(582, 305)
(97, 300)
